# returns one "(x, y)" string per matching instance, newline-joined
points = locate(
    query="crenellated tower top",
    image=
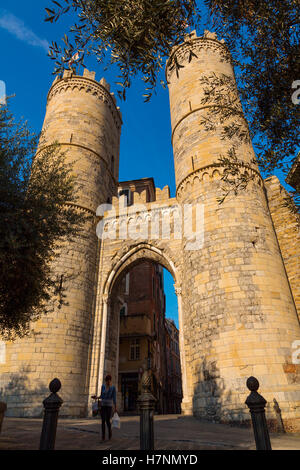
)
(204, 104)
(83, 117)
(184, 52)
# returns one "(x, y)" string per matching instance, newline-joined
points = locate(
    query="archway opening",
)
(143, 334)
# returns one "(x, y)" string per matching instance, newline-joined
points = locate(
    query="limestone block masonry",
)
(237, 294)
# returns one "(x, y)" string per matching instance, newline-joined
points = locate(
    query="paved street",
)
(171, 432)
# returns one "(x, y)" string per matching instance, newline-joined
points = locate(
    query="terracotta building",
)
(174, 383)
(142, 341)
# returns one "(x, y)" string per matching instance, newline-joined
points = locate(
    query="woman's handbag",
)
(116, 422)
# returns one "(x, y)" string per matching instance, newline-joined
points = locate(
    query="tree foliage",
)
(134, 34)
(34, 218)
(263, 38)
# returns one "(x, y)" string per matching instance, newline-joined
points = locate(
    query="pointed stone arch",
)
(141, 251)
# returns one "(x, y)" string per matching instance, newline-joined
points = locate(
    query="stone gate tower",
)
(240, 316)
(236, 308)
(82, 117)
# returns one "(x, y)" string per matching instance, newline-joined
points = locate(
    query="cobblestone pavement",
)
(172, 432)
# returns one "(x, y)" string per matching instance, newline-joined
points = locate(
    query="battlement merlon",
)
(87, 81)
(162, 194)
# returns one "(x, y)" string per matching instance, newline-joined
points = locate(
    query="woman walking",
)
(108, 400)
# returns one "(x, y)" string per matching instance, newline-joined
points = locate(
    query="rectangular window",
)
(135, 350)
(127, 194)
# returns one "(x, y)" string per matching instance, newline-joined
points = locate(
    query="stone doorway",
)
(114, 313)
(141, 337)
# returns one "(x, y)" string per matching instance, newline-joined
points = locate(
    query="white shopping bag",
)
(95, 406)
(116, 422)
(95, 409)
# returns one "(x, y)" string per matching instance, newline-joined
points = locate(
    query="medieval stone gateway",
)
(236, 274)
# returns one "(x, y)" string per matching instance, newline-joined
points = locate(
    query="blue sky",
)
(27, 73)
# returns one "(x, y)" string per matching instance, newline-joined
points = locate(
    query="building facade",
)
(235, 266)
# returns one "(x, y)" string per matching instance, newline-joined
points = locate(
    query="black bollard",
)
(52, 405)
(256, 404)
(146, 404)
